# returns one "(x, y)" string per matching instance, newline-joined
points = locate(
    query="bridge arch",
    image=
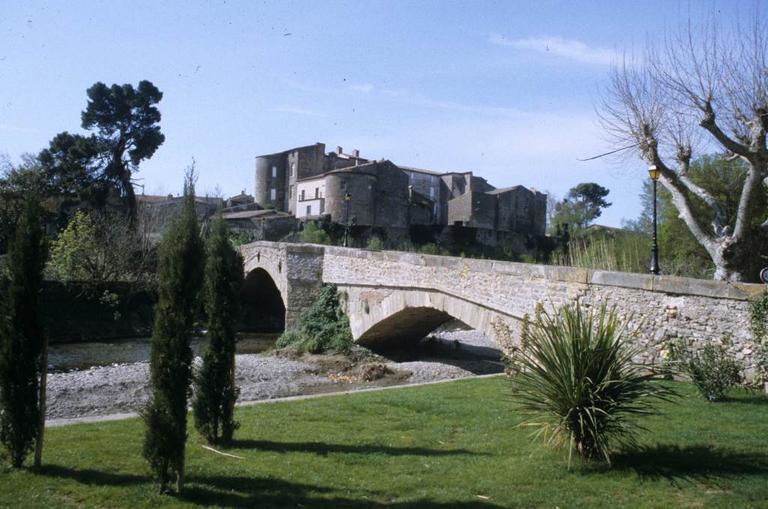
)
(401, 315)
(295, 270)
(262, 303)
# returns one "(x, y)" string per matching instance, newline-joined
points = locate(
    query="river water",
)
(70, 356)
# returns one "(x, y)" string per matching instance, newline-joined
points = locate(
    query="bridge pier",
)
(296, 270)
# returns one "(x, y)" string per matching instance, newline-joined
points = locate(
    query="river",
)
(71, 356)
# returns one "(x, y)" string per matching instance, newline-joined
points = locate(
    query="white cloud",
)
(394, 93)
(365, 88)
(566, 48)
(297, 111)
(474, 109)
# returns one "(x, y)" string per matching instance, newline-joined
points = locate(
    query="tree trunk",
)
(725, 273)
(130, 196)
(180, 475)
(41, 421)
(731, 259)
(229, 415)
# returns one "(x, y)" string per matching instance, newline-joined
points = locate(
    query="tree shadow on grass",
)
(91, 477)
(235, 492)
(240, 491)
(690, 463)
(325, 449)
(750, 398)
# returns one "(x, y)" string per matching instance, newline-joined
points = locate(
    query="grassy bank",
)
(452, 445)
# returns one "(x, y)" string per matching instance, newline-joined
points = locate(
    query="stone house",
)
(157, 212)
(306, 182)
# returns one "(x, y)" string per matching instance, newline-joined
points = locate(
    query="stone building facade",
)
(156, 212)
(308, 183)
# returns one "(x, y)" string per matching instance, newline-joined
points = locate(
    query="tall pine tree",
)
(21, 338)
(215, 390)
(180, 275)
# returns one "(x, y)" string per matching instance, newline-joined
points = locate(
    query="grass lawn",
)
(452, 445)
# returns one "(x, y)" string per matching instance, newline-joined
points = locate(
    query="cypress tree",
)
(21, 338)
(215, 390)
(180, 274)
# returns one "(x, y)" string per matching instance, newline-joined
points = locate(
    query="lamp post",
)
(347, 203)
(654, 172)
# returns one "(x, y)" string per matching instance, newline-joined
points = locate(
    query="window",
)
(274, 172)
(309, 210)
(273, 194)
(290, 191)
(302, 195)
(317, 192)
(293, 168)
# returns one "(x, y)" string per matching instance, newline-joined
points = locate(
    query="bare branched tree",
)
(700, 90)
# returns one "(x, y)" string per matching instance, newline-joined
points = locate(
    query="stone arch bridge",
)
(397, 296)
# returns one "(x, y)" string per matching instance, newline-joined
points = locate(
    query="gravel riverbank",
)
(122, 388)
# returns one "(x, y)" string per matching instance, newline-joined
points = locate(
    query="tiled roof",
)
(506, 189)
(248, 214)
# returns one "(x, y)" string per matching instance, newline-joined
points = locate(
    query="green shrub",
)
(98, 247)
(291, 338)
(375, 244)
(238, 238)
(625, 253)
(405, 246)
(762, 363)
(323, 327)
(578, 383)
(313, 234)
(758, 316)
(711, 369)
(430, 249)
(510, 359)
(758, 324)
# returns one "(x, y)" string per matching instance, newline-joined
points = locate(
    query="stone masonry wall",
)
(304, 279)
(661, 308)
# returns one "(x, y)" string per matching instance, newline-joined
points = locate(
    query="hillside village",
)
(380, 198)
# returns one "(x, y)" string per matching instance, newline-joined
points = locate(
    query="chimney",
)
(339, 150)
(356, 153)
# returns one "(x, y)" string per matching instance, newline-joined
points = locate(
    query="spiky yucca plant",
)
(578, 383)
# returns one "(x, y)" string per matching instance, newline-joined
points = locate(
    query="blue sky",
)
(505, 89)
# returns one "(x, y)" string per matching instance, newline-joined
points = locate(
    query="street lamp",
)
(347, 203)
(654, 173)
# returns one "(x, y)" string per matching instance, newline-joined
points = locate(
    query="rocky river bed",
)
(123, 387)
